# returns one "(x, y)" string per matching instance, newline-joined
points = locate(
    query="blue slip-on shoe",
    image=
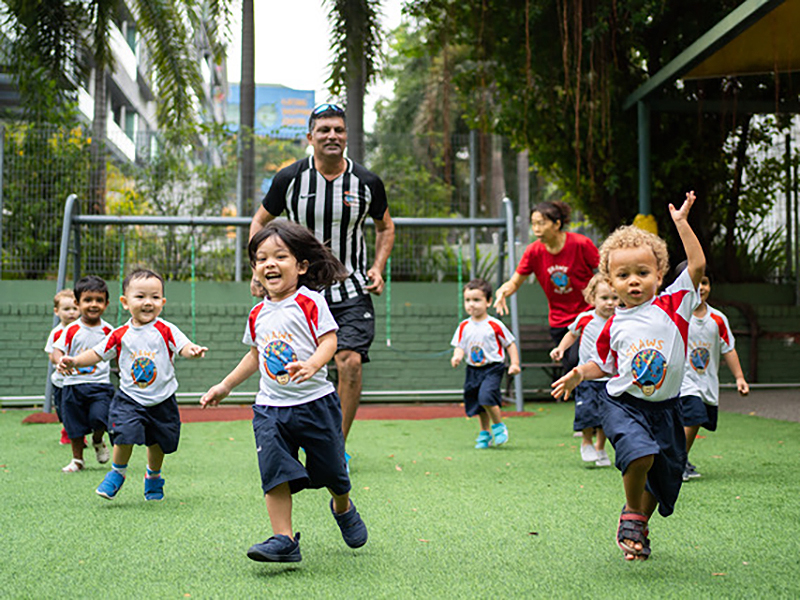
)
(347, 458)
(154, 488)
(110, 485)
(354, 531)
(500, 432)
(484, 440)
(278, 548)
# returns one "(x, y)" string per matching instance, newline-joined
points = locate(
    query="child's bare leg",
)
(341, 504)
(483, 416)
(97, 436)
(279, 508)
(495, 414)
(601, 439)
(121, 454)
(155, 457)
(691, 434)
(587, 436)
(637, 499)
(77, 447)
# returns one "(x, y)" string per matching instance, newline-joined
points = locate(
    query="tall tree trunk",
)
(247, 102)
(731, 264)
(98, 148)
(356, 80)
(498, 185)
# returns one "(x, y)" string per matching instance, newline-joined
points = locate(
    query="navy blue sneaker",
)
(154, 488)
(278, 548)
(354, 531)
(110, 485)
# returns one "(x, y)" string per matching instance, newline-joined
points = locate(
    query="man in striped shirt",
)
(332, 196)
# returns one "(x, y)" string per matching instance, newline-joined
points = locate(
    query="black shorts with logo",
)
(356, 320)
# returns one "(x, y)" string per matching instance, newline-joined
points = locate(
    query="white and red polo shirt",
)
(146, 357)
(284, 332)
(57, 378)
(709, 337)
(483, 342)
(78, 337)
(644, 347)
(587, 326)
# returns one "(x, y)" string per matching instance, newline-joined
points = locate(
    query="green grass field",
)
(445, 520)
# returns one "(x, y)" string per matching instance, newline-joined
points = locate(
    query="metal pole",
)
(66, 225)
(473, 199)
(512, 263)
(796, 242)
(643, 113)
(524, 184)
(788, 193)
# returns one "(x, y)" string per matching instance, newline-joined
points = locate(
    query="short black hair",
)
(140, 273)
(554, 211)
(90, 283)
(482, 285)
(324, 111)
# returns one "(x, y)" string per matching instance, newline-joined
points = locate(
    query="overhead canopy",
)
(759, 36)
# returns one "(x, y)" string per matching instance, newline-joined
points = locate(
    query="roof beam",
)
(728, 28)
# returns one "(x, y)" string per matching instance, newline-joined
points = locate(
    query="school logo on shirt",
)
(699, 359)
(86, 370)
(477, 356)
(560, 279)
(649, 370)
(277, 354)
(143, 371)
(350, 198)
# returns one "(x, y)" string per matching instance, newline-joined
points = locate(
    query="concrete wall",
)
(423, 318)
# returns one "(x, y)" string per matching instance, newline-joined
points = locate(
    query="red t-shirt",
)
(563, 276)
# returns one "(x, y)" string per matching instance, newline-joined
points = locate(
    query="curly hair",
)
(323, 267)
(630, 236)
(590, 290)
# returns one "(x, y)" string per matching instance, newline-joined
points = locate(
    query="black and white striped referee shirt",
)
(335, 211)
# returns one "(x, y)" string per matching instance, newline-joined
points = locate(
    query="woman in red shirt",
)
(563, 263)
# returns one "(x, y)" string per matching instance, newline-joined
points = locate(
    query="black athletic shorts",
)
(356, 320)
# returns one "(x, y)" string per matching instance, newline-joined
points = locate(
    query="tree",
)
(356, 40)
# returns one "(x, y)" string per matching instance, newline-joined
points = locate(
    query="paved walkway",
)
(782, 404)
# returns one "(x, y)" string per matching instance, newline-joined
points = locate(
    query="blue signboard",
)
(281, 112)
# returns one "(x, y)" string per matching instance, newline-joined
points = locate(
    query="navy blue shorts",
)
(57, 401)
(697, 412)
(482, 387)
(316, 426)
(131, 423)
(638, 428)
(84, 408)
(356, 320)
(588, 396)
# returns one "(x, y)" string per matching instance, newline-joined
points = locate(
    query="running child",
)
(87, 392)
(482, 340)
(292, 336)
(586, 328)
(710, 336)
(144, 410)
(66, 310)
(643, 346)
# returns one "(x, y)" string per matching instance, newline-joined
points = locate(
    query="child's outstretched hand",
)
(682, 213)
(514, 370)
(65, 365)
(300, 371)
(195, 351)
(455, 361)
(213, 396)
(565, 385)
(556, 354)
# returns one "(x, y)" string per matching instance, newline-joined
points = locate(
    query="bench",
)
(534, 345)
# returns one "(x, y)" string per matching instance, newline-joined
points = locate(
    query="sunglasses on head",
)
(327, 107)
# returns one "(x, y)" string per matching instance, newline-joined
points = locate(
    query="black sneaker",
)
(691, 471)
(278, 548)
(354, 531)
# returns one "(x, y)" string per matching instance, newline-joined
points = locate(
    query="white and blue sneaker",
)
(110, 485)
(484, 440)
(500, 433)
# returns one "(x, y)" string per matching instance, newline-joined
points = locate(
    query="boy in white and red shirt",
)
(483, 341)
(86, 392)
(588, 395)
(710, 336)
(144, 411)
(643, 347)
(66, 309)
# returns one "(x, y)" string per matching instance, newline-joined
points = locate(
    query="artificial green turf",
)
(445, 520)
